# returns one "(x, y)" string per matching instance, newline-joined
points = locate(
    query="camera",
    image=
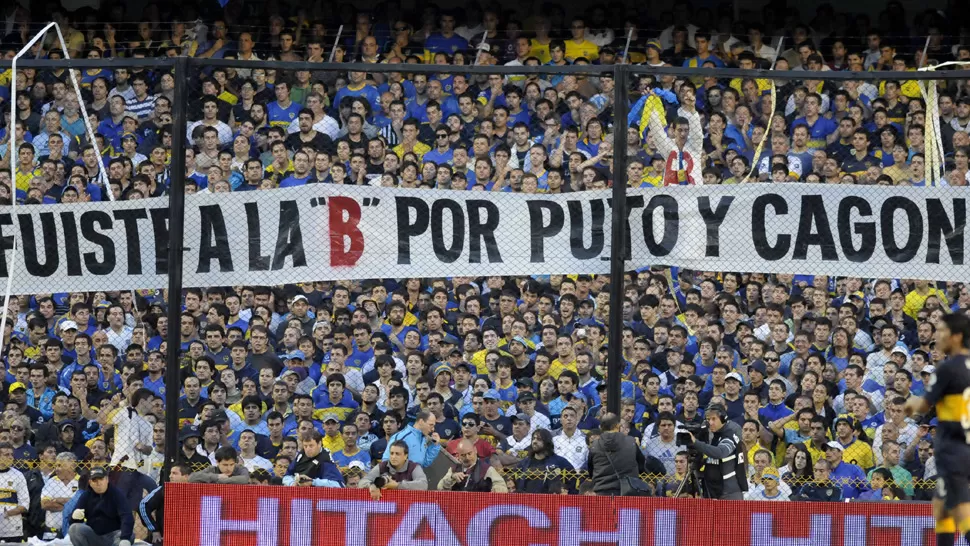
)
(381, 481)
(684, 430)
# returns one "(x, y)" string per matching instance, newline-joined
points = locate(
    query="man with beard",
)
(189, 437)
(472, 473)
(542, 469)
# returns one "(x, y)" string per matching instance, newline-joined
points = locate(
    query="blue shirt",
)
(439, 43)
(343, 460)
(368, 92)
(851, 478)
(420, 450)
(772, 412)
(818, 132)
(440, 158)
(281, 117)
(292, 181)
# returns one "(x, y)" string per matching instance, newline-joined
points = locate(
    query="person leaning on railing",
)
(395, 473)
(472, 473)
(226, 470)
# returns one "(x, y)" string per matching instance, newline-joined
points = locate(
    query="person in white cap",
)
(733, 400)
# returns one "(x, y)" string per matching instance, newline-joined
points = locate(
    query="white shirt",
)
(225, 133)
(758, 493)
(327, 125)
(13, 493)
(130, 429)
(907, 435)
(152, 465)
(352, 377)
(257, 462)
(518, 448)
(661, 450)
(120, 340)
(56, 489)
(573, 449)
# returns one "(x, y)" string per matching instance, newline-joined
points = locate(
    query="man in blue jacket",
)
(423, 442)
(102, 516)
(849, 476)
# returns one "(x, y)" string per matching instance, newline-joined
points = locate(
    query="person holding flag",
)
(682, 155)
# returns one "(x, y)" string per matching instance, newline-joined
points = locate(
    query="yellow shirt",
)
(816, 454)
(655, 180)
(25, 176)
(585, 49)
(860, 454)
(763, 85)
(478, 360)
(540, 52)
(914, 301)
(557, 367)
(228, 97)
(419, 150)
(334, 444)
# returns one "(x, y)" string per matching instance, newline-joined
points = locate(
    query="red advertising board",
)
(227, 515)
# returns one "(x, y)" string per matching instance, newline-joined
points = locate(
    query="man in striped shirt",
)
(142, 104)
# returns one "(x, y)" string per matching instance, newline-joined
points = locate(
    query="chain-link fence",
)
(354, 270)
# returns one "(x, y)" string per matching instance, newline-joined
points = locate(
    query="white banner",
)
(325, 232)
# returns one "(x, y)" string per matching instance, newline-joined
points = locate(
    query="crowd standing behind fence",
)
(319, 383)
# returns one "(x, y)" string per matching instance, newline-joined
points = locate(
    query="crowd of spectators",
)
(365, 382)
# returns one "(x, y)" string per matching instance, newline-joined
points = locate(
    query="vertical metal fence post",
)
(176, 227)
(621, 79)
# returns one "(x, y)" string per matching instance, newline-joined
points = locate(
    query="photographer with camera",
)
(725, 476)
(395, 473)
(472, 473)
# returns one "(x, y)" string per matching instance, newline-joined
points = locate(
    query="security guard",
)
(725, 475)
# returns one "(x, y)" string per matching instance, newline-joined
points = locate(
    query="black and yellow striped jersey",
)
(949, 392)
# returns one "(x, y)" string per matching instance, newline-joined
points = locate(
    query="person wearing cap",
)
(299, 310)
(515, 447)
(443, 375)
(853, 450)
(189, 438)
(847, 475)
(71, 441)
(769, 489)
(731, 398)
(102, 515)
(526, 405)
(332, 440)
(653, 49)
(494, 424)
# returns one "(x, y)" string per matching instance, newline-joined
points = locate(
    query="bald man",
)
(472, 473)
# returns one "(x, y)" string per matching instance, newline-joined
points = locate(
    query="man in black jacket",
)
(613, 456)
(102, 516)
(724, 471)
(313, 466)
